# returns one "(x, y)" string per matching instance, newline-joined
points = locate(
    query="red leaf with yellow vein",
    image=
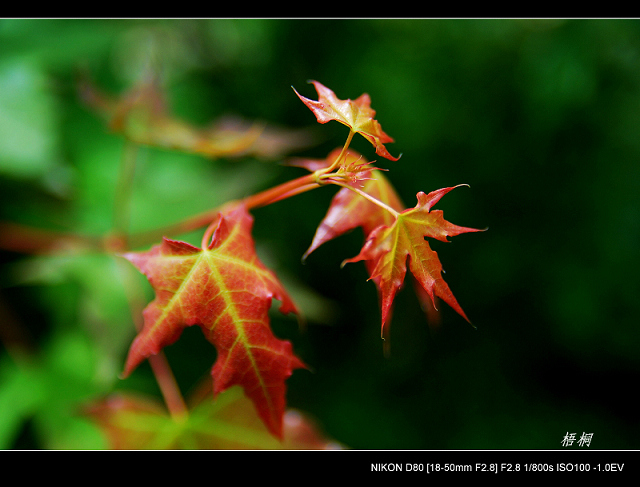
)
(227, 291)
(388, 247)
(356, 114)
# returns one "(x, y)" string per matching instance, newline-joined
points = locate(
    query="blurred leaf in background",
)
(539, 117)
(230, 423)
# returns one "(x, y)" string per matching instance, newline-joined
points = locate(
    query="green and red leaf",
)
(133, 422)
(387, 248)
(227, 291)
(356, 114)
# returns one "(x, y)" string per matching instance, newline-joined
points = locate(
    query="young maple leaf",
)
(387, 248)
(227, 291)
(349, 210)
(357, 115)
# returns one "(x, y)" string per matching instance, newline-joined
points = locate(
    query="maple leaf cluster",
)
(223, 287)
(395, 236)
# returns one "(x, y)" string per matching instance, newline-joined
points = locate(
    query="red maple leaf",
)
(356, 114)
(227, 291)
(387, 248)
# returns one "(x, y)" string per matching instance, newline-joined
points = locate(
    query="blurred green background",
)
(540, 117)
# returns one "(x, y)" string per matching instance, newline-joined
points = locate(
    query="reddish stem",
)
(281, 191)
(168, 386)
(25, 239)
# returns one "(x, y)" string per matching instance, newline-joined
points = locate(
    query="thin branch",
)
(168, 386)
(277, 193)
(367, 196)
(336, 163)
(122, 203)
